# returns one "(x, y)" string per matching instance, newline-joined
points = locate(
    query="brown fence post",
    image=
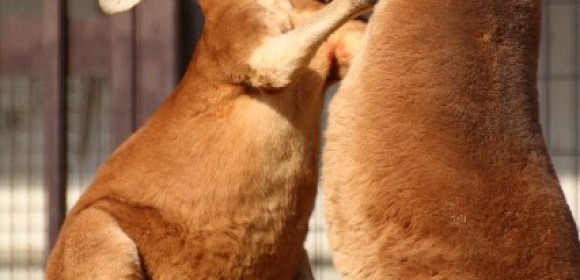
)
(54, 44)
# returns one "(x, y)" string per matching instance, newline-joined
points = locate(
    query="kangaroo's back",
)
(435, 165)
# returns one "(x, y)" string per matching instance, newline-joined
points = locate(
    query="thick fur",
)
(435, 165)
(220, 182)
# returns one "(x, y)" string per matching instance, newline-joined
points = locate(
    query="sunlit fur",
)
(220, 182)
(435, 166)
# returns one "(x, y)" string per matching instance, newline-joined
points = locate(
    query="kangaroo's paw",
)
(345, 43)
(276, 61)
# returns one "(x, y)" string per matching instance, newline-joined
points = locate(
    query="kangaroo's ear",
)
(116, 6)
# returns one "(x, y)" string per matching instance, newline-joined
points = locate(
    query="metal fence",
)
(559, 85)
(22, 200)
(74, 84)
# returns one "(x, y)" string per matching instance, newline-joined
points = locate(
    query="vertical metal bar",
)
(32, 186)
(122, 77)
(156, 28)
(29, 171)
(576, 80)
(55, 69)
(5, 198)
(190, 27)
(13, 123)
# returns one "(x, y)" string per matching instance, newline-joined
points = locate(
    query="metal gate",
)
(75, 83)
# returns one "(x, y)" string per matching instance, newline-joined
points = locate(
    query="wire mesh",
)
(559, 86)
(22, 197)
(89, 132)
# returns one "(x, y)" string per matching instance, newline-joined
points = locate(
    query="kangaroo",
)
(220, 182)
(435, 165)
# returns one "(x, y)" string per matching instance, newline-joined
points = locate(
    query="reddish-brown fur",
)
(435, 166)
(220, 182)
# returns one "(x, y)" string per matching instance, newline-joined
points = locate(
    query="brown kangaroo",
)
(220, 182)
(435, 166)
